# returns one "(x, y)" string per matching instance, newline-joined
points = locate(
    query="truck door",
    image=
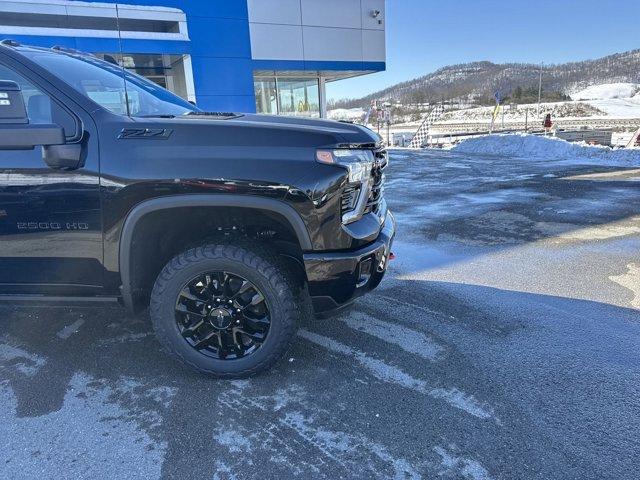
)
(50, 221)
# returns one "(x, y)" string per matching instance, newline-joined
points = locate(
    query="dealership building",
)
(269, 56)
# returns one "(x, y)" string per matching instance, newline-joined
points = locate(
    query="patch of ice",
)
(234, 441)
(69, 330)
(91, 436)
(25, 362)
(631, 281)
(460, 466)
(407, 339)
(223, 472)
(569, 232)
(335, 445)
(390, 374)
(126, 338)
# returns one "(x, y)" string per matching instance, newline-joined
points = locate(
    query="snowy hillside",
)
(608, 91)
(531, 146)
(477, 82)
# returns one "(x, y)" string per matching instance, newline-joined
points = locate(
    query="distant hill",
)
(475, 83)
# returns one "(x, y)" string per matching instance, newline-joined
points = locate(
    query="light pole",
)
(540, 89)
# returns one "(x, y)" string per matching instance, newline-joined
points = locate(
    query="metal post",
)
(323, 97)
(540, 89)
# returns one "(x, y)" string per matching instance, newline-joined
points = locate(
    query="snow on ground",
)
(346, 114)
(530, 111)
(607, 91)
(532, 146)
(618, 107)
(610, 107)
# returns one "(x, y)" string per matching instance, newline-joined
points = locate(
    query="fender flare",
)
(142, 209)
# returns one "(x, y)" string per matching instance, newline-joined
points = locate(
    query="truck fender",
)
(212, 200)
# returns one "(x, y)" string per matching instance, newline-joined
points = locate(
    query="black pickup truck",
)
(227, 227)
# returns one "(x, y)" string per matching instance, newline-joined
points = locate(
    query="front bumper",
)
(338, 278)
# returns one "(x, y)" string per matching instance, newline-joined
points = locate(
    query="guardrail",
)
(440, 128)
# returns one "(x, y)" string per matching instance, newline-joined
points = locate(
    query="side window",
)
(41, 109)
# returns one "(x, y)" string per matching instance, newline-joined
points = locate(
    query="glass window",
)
(103, 83)
(266, 95)
(299, 97)
(41, 109)
(168, 71)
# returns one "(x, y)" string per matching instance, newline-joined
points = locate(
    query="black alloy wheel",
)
(229, 311)
(222, 315)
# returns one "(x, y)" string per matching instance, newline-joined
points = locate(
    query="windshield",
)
(102, 82)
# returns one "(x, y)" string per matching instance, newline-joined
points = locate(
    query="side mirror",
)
(64, 157)
(15, 131)
(17, 134)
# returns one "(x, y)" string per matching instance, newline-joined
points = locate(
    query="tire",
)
(259, 267)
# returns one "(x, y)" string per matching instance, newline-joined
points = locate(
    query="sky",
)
(424, 35)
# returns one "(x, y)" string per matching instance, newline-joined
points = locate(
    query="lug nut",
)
(230, 302)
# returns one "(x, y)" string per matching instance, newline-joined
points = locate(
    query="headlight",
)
(359, 163)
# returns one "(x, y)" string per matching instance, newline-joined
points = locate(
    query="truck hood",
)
(332, 132)
(350, 132)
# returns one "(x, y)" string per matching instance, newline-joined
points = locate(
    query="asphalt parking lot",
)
(504, 344)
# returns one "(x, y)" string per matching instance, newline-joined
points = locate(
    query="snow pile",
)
(346, 114)
(607, 91)
(551, 148)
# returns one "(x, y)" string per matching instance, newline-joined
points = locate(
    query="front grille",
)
(377, 189)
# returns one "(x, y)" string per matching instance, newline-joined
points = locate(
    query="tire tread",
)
(254, 257)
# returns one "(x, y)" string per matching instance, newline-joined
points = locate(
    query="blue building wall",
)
(220, 52)
(220, 49)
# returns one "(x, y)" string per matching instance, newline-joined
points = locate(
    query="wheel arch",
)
(141, 210)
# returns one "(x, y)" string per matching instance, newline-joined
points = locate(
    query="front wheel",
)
(224, 310)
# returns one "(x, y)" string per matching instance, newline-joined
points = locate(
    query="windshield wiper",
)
(220, 115)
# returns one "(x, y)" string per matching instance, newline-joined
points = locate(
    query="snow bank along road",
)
(504, 345)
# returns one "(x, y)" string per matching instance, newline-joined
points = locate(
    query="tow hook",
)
(386, 258)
